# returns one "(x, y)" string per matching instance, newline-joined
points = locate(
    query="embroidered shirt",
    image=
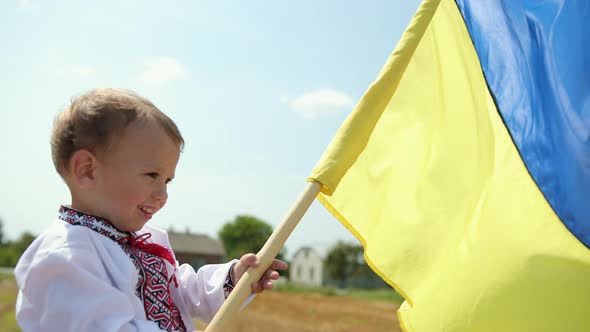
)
(76, 278)
(155, 274)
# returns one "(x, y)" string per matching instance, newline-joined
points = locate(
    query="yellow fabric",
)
(426, 176)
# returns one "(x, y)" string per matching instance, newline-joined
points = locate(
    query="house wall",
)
(306, 268)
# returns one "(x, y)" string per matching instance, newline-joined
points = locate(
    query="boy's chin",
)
(135, 228)
(131, 226)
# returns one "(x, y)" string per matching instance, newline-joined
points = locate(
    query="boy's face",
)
(132, 176)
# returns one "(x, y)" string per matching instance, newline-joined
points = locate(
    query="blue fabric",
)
(535, 56)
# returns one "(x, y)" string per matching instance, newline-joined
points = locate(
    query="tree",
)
(1, 232)
(344, 261)
(11, 251)
(346, 265)
(8, 256)
(245, 234)
(23, 242)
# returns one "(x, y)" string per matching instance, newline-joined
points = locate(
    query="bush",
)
(9, 256)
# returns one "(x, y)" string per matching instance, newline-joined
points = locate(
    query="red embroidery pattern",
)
(153, 284)
(228, 285)
(96, 224)
(153, 288)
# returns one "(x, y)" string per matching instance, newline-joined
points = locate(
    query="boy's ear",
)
(83, 168)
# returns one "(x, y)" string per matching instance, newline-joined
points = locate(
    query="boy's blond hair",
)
(92, 120)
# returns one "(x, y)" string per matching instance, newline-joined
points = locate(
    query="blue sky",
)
(258, 89)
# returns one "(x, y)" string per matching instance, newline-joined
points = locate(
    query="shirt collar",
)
(97, 224)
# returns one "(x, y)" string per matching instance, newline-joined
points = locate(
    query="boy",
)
(99, 266)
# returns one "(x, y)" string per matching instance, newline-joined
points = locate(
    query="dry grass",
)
(287, 312)
(8, 292)
(275, 311)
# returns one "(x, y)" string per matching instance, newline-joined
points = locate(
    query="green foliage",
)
(24, 241)
(384, 295)
(245, 234)
(343, 261)
(11, 251)
(346, 267)
(9, 256)
(1, 232)
(298, 289)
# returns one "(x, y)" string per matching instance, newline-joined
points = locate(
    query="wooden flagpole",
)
(266, 255)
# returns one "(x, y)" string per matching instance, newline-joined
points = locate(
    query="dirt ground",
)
(286, 312)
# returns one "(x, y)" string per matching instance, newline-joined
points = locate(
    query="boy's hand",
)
(265, 282)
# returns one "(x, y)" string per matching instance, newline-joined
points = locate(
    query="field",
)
(7, 301)
(286, 311)
(290, 312)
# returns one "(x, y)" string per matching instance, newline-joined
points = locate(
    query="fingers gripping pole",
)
(271, 248)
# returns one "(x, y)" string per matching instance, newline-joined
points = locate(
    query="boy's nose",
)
(161, 195)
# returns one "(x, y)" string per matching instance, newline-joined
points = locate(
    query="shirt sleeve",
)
(70, 290)
(202, 292)
(228, 285)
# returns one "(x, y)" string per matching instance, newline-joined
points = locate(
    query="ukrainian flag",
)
(465, 168)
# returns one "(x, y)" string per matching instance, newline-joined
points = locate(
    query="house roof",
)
(306, 251)
(195, 244)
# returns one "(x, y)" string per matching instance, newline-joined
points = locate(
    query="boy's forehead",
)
(147, 133)
(147, 142)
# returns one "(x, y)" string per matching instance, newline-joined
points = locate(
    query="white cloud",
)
(159, 71)
(319, 102)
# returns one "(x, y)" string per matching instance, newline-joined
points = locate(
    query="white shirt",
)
(72, 278)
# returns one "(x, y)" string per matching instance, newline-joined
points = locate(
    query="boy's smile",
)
(131, 176)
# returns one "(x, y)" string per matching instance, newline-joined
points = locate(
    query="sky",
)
(257, 88)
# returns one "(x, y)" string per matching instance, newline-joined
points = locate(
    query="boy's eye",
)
(153, 175)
